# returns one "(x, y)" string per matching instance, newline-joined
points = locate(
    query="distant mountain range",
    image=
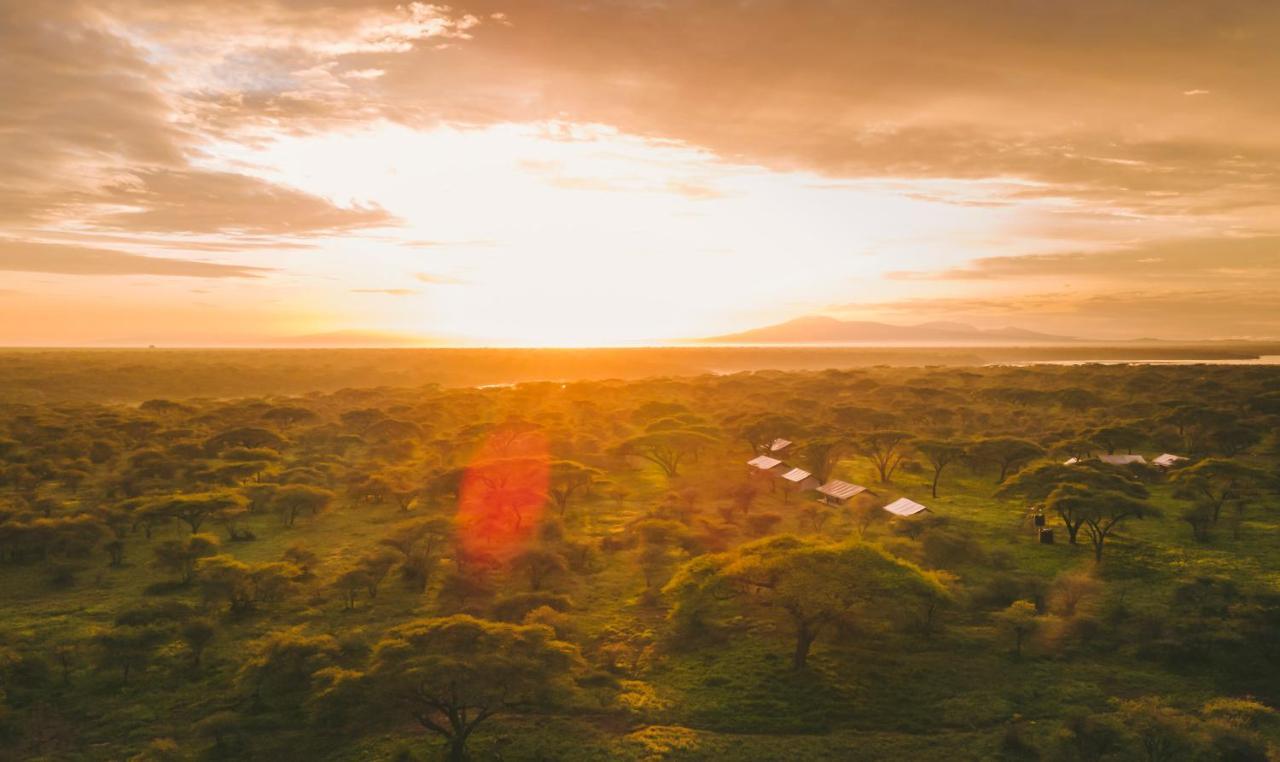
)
(818, 329)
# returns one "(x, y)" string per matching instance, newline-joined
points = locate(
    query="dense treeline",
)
(134, 375)
(590, 570)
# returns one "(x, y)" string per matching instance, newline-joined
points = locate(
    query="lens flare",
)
(504, 492)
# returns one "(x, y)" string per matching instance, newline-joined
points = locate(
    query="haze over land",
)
(597, 173)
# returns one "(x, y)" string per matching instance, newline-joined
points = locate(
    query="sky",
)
(603, 172)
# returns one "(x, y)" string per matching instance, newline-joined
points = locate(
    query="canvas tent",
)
(779, 445)
(904, 507)
(764, 463)
(1122, 460)
(1167, 460)
(838, 492)
(801, 478)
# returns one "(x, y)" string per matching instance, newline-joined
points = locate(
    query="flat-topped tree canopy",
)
(904, 507)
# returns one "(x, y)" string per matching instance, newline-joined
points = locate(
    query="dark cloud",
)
(63, 259)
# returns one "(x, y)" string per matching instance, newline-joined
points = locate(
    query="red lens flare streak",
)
(503, 492)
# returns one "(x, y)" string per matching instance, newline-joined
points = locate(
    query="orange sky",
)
(582, 173)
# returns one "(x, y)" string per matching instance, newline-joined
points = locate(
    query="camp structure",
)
(836, 492)
(801, 479)
(764, 464)
(1122, 460)
(1070, 461)
(779, 445)
(904, 507)
(1167, 460)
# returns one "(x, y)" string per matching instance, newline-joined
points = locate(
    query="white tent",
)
(1122, 460)
(904, 507)
(839, 491)
(1167, 460)
(779, 445)
(801, 478)
(764, 462)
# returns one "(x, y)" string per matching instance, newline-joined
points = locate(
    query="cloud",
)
(92, 133)
(438, 280)
(385, 291)
(195, 201)
(63, 259)
(1169, 313)
(1248, 260)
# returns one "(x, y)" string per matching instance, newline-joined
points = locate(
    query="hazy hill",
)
(819, 329)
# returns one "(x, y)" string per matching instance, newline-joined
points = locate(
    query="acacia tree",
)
(567, 478)
(538, 565)
(293, 500)
(454, 673)
(819, 456)
(809, 585)
(940, 453)
(1008, 454)
(1020, 619)
(667, 448)
(1100, 512)
(194, 509)
(180, 556)
(421, 543)
(885, 449)
(1214, 482)
(1037, 484)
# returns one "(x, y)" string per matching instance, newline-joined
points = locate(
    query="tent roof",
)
(797, 475)
(764, 462)
(904, 507)
(1121, 460)
(841, 490)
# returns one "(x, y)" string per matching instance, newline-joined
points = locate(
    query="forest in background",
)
(135, 375)
(291, 562)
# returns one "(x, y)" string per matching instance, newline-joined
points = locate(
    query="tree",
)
(197, 634)
(809, 585)
(180, 556)
(129, 648)
(1215, 482)
(1037, 484)
(885, 449)
(940, 453)
(820, 455)
(194, 509)
(1164, 733)
(539, 564)
(454, 673)
(1020, 619)
(294, 499)
(667, 448)
(421, 543)
(282, 663)
(1008, 454)
(567, 478)
(1100, 512)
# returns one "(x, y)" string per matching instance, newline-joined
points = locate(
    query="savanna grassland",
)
(590, 571)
